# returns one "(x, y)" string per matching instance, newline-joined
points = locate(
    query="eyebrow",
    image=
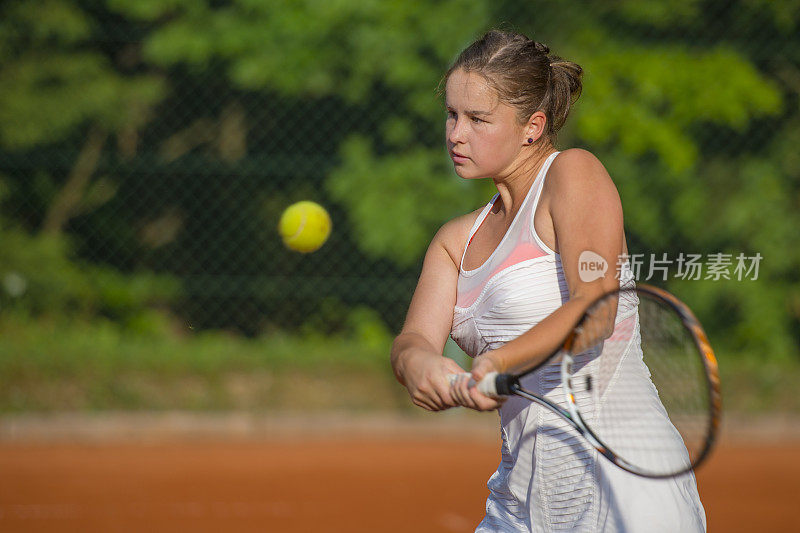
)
(472, 112)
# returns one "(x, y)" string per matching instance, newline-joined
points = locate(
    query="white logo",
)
(591, 266)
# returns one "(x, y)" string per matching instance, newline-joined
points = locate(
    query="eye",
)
(476, 120)
(451, 113)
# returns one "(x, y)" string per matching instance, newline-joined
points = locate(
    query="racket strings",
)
(645, 381)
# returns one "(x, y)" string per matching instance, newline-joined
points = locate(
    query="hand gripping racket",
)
(639, 381)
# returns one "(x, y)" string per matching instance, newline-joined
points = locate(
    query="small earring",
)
(530, 140)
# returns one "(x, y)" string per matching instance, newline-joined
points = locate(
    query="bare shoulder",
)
(452, 236)
(578, 172)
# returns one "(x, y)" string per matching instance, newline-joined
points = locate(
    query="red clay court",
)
(417, 477)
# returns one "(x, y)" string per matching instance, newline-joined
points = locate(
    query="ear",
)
(535, 127)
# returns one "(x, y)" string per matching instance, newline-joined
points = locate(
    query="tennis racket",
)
(639, 381)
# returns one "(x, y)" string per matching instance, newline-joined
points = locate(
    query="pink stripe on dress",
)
(524, 251)
(624, 330)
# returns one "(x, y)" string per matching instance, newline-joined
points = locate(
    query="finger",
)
(487, 404)
(435, 390)
(483, 365)
(424, 405)
(444, 396)
(461, 390)
(465, 385)
(480, 370)
(455, 389)
(470, 392)
(477, 380)
(421, 399)
(441, 396)
(483, 402)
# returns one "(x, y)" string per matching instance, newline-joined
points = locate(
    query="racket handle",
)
(487, 386)
(453, 377)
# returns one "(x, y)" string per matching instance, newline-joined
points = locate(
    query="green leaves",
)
(313, 47)
(661, 14)
(394, 201)
(44, 96)
(152, 10)
(40, 277)
(39, 22)
(690, 105)
(648, 99)
(52, 83)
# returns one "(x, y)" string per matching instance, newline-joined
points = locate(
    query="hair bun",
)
(541, 47)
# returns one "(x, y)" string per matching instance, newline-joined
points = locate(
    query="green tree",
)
(225, 112)
(57, 86)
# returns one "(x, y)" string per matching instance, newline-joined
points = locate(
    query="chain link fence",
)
(169, 137)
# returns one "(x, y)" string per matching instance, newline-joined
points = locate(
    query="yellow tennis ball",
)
(305, 226)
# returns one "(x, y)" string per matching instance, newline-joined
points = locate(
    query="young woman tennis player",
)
(505, 282)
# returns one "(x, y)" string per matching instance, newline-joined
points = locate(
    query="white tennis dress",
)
(549, 478)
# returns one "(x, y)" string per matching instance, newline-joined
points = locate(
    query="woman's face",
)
(484, 136)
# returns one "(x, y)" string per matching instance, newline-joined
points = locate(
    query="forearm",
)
(404, 347)
(535, 345)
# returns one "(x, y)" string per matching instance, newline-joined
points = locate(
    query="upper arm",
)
(587, 217)
(430, 313)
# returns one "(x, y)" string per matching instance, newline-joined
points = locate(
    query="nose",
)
(456, 131)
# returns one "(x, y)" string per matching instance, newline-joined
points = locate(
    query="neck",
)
(514, 184)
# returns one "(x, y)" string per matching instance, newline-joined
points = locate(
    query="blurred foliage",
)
(393, 216)
(168, 135)
(54, 77)
(41, 280)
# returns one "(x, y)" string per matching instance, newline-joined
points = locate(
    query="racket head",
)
(640, 376)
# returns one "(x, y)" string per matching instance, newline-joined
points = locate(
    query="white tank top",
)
(515, 288)
(548, 478)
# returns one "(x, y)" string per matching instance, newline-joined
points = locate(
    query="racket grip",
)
(487, 386)
(453, 377)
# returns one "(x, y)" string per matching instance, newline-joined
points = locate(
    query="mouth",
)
(458, 158)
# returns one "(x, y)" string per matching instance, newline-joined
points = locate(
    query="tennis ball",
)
(305, 226)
